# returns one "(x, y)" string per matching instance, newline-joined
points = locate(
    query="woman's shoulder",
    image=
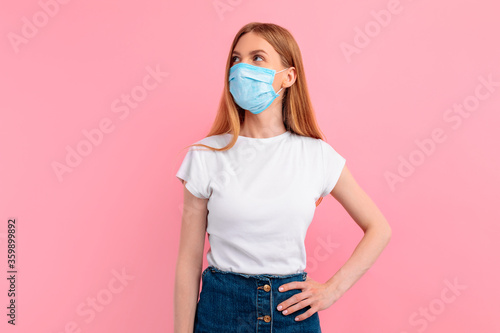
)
(317, 145)
(308, 140)
(215, 141)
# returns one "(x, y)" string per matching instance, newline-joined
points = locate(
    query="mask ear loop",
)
(280, 72)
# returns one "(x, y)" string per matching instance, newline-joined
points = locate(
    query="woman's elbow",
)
(382, 229)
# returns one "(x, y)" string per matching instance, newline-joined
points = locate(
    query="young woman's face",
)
(255, 50)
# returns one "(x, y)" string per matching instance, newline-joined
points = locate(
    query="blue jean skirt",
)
(241, 303)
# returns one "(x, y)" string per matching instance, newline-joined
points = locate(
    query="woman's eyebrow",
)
(253, 52)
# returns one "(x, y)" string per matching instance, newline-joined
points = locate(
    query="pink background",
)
(118, 209)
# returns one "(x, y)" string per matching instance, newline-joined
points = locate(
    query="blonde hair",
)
(297, 111)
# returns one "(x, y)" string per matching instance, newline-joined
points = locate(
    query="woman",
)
(252, 185)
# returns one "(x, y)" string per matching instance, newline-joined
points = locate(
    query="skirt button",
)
(267, 319)
(267, 287)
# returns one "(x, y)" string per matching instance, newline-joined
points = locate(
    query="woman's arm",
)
(377, 232)
(361, 208)
(189, 261)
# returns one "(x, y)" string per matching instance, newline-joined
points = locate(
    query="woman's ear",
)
(291, 77)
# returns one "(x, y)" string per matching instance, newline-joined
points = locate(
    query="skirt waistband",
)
(214, 269)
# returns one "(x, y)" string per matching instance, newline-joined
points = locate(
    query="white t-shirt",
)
(262, 196)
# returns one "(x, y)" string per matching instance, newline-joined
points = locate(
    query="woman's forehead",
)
(250, 42)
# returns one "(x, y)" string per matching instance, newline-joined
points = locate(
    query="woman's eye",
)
(235, 58)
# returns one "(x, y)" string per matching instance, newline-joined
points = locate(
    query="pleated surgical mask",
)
(252, 86)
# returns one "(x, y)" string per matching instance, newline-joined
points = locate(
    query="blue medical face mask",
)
(252, 86)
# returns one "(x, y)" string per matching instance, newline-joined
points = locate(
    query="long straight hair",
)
(297, 111)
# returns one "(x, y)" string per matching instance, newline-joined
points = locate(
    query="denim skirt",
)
(240, 303)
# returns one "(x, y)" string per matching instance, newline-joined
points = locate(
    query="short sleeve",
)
(195, 172)
(333, 164)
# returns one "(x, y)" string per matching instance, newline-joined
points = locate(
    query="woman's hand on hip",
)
(318, 296)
